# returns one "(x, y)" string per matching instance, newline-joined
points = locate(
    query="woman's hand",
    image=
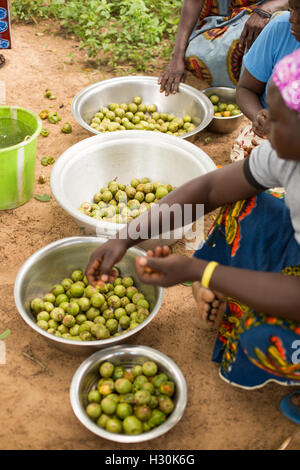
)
(261, 123)
(167, 271)
(103, 259)
(172, 76)
(253, 27)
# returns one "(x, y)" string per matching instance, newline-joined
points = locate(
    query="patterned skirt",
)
(252, 348)
(214, 53)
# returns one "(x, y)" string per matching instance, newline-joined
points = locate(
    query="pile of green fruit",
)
(120, 203)
(224, 109)
(138, 116)
(76, 310)
(130, 401)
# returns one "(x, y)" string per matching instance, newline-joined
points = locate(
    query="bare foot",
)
(211, 305)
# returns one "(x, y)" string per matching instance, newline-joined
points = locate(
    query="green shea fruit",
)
(143, 412)
(139, 382)
(118, 372)
(112, 325)
(57, 314)
(149, 368)
(108, 406)
(97, 300)
(93, 410)
(43, 324)
(77, 275)
(101, 422)
(92, 313)
(167, 388)
(73, 308)
(114, 425)
(105, 386)
(69, 321)
(124, 322)
(77, 289)
(49, 297)
(81, 318)
(123, 410)
(94, 396)
(57, 290)
(106, 369)
(157, 418)
(123, 386)
(132, 425)
(48, 306)
(166, 405)
(43, 315)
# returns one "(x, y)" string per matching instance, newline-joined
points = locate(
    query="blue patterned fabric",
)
(253, 348)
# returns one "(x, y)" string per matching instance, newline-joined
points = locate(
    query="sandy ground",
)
(35, 407)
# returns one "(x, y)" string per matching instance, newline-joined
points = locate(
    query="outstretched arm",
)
(175, 71)
(273, 294)
(213, 189)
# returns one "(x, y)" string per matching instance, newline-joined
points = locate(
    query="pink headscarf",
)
(286, 77)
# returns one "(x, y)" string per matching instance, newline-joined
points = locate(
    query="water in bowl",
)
(12, 132)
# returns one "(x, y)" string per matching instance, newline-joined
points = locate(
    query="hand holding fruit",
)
(103, 259)
(165, 270)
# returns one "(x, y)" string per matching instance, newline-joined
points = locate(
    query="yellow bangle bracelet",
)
(207, 273)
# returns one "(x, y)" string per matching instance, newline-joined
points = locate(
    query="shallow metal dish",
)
(53, 263)
(85, 379)
(123, 89)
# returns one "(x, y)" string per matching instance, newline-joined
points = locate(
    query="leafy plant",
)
(132, 32)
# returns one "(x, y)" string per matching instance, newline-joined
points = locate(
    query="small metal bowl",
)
(224, 125)
(53, 263)
(188, 101)
(86, 377)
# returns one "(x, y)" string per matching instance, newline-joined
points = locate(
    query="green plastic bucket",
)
(17, 162)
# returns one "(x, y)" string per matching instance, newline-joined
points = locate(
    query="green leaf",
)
(43, 198)
(5, 335)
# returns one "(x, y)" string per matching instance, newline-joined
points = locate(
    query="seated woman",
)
(212, 37)
(279, 38)
(255, 245)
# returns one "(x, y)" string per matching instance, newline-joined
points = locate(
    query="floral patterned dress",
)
(214, 52)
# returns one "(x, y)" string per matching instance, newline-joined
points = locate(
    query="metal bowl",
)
(86, 377)
(123, 89)
(53, 263)
(224, 125)
(88, 165)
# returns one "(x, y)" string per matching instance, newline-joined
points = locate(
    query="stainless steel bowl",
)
(123, 89)
(224, 125)
(88, 165)
(86, 377)
(55, 262)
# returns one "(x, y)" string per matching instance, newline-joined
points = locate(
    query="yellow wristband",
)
(207, 273)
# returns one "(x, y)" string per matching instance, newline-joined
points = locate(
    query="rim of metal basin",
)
(44, 251)
(155, 355)
(196, 94)
(66, 159)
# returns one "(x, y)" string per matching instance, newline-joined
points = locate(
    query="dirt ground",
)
(35, 408)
